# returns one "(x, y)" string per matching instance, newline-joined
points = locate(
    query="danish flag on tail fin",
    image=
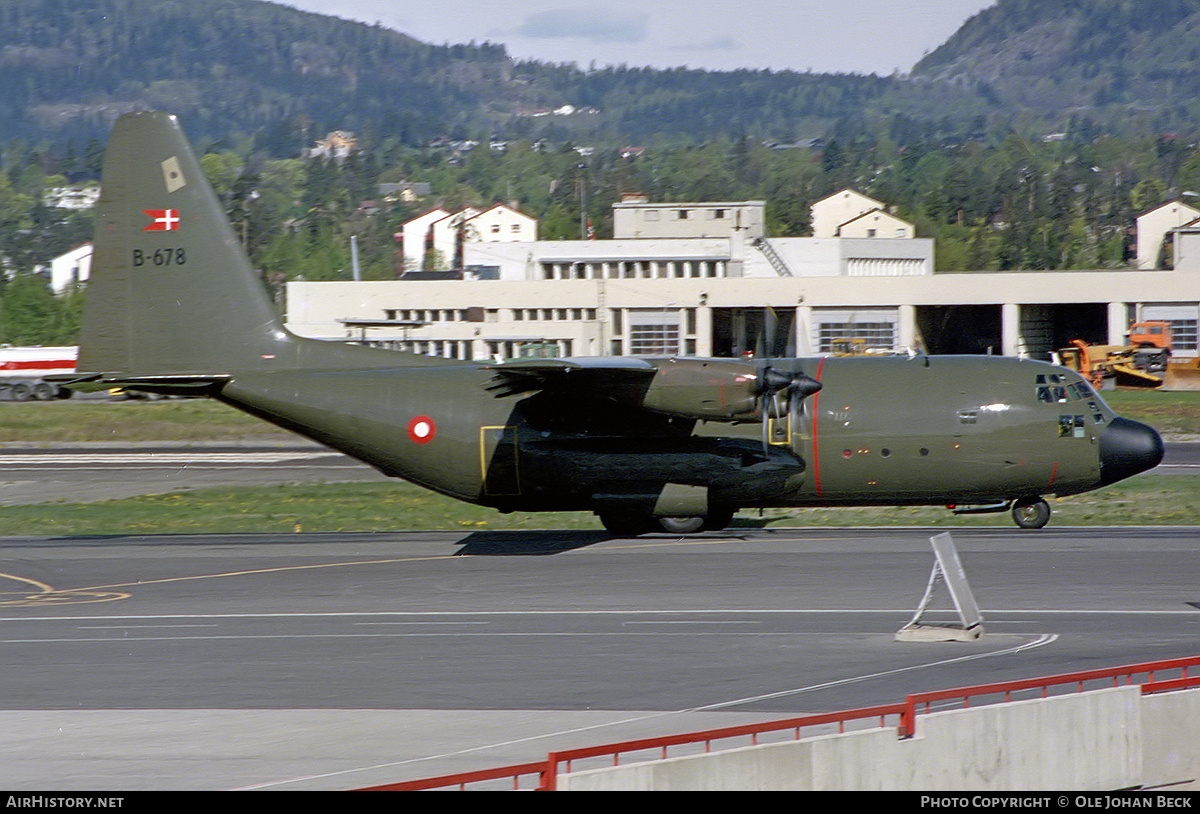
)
(164, 220)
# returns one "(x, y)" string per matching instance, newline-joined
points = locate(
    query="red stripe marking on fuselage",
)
(816, 460)
(40, 364)
(1053, 475)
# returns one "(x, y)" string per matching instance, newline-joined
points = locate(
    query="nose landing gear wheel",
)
(1031, 513)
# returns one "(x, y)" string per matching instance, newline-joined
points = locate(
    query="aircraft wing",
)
(582, 373)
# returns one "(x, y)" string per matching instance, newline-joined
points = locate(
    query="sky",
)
(863, 36)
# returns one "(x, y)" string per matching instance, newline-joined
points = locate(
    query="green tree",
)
(30, 314)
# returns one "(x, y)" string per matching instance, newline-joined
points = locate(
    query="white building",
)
(1155, 225)
(70, 268)
(637, 218)
(417, 237)
(661, 295)
(830, 214)
(877, 223)
(72, 197)
(442, 232)
(500, 224)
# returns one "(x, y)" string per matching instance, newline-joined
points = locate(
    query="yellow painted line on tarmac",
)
(44, 594)
(48, 595)
(278, 569)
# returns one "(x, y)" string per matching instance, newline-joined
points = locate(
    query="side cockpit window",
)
(1070, 426)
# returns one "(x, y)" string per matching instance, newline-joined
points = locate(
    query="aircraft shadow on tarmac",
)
(543, 542)
(529, 543)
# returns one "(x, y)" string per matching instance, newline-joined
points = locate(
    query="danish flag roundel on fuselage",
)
(422, 429)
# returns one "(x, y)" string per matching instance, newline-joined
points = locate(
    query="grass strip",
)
(1143, 500)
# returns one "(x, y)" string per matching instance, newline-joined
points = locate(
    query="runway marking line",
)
(1039, 642)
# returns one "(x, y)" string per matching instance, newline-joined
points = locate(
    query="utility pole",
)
(583, 230)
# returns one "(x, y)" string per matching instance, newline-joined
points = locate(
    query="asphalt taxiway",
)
(343, 660)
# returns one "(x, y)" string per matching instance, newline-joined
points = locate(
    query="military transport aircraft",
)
(680, 444)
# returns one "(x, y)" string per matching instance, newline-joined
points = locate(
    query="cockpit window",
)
(1056, 388)
(1051, 393)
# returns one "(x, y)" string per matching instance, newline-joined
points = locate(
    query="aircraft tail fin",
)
(170, 288)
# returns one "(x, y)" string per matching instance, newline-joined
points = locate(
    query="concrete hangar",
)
(703, 279)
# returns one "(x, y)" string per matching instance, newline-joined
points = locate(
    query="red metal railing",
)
(556, 759)
(462, 779)
(905, 712)
(1007, 688)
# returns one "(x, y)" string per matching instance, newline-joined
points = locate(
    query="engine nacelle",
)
(709, 389)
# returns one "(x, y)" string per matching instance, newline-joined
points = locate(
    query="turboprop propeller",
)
(780, 391)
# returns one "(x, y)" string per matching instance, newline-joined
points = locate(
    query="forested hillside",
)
(969, 148)
(231, 67)
(248, 69)
(1136, 55)
(244, 69)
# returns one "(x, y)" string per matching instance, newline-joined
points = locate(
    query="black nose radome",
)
(1127, 448)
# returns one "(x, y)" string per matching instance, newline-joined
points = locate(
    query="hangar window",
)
(653, 332)
(1184, 334)
(832, 336)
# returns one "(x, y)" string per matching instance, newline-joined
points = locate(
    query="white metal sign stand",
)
(947, 567)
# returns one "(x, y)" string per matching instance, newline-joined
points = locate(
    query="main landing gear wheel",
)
(1031, 513)
(680, 525)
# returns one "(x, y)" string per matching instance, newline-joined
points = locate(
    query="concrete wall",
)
(1171, 738)
(1101, 741)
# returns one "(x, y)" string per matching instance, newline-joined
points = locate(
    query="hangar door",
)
(1183, 317)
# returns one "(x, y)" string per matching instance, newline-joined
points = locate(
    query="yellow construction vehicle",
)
(1144, 362)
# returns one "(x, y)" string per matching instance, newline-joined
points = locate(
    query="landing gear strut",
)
(1031, 513)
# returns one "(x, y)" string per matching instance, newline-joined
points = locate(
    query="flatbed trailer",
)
(22, 370)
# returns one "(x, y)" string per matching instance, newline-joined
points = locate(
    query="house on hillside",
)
(850, 213)
(1153, 228)
(442, 232)
(70, 268)
(337, 145)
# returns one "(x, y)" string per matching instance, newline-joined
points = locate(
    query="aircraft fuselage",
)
(881, 431)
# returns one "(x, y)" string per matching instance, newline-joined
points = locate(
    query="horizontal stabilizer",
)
(171, 385)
